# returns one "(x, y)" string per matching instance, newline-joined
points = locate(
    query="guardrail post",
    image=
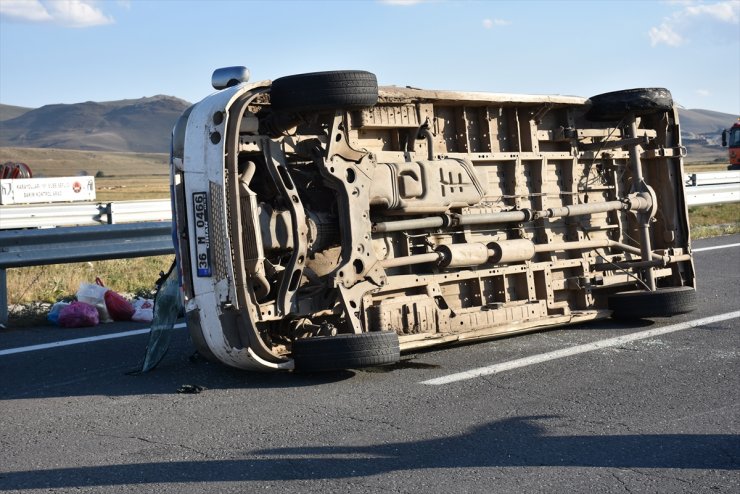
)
(3, 296)
(109, 212)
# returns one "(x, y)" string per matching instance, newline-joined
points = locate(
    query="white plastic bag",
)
(94, 294)
(143, 310)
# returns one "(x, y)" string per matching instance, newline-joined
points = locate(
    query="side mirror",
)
(724, 138)
(229, 76)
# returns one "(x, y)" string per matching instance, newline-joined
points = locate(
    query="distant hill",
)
(8, 111)
(138, 125)
(701, 132)
(144, 126)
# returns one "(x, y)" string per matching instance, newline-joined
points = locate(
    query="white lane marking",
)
(78, 341)
(716, 247)
(588, 347)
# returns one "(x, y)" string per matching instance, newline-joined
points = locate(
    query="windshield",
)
(734, 138)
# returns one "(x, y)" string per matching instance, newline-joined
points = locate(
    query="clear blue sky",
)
(68, 51)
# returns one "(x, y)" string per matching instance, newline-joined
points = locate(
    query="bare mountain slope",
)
(9, 111)
(140, 125)
(701, 132)
(705, 122)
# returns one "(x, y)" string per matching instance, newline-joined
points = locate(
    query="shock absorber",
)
(643, 216)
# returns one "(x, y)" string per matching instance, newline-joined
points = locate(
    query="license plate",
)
(202, 239)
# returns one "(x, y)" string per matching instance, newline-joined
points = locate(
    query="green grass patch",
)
(714, 220)
(715, 214)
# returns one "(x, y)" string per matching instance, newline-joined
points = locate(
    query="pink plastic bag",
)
(78, 315)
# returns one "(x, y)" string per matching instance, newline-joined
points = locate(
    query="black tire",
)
(664, 302)
(346, 351)
(324, 91)
(616, 105)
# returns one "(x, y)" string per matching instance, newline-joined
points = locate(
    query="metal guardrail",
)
(20, 248)
(85, 243)
(712, 178)
(116, 235)
(706, 195)
(81, 214)
(707, 188)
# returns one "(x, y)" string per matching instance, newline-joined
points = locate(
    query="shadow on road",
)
(515, 442)
(105, 368)
(107, 371)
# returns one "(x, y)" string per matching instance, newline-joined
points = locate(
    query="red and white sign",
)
(36, 190)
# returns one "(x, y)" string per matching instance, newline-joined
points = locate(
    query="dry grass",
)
(119, 176)
(61, 281)
(717, 214)
(132, 188)
(705, 167)
(49, 162)
(714, 220)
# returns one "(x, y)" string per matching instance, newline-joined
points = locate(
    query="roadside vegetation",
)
(135, 277)
(32, 290)
(714, 220)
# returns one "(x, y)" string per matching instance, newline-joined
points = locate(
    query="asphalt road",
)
(658, 414)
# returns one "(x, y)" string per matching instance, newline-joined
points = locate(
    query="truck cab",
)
(731, 140)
